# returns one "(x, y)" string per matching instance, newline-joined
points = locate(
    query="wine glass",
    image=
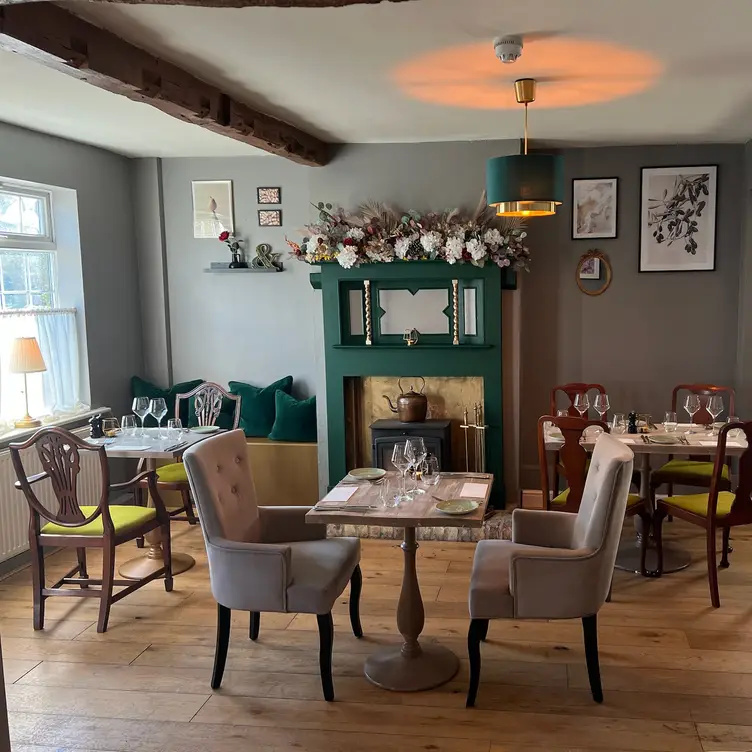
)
(158, 409)
(401, 457)
(692, 406)
(141, 408)
(715, 408)
(601, 405)
(582, 404)
(419, 453)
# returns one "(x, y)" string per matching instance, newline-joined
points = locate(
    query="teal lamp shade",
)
(525, 185)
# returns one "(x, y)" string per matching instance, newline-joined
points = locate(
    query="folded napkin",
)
(626, 439)
(474, 490)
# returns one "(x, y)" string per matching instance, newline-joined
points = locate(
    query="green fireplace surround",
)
(347, 355)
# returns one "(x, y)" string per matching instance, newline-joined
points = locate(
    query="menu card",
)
(474, 490)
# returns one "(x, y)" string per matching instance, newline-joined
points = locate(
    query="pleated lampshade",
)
(25, 356)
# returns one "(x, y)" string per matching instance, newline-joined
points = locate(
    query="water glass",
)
(174, 428)
(619, 423)
(734, 433)
(128, 425)
(562, 413)
(141, 408)
(388, 496)
(110, 427)
(431, 472)
(670, 422)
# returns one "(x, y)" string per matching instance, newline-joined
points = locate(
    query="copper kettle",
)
(412, 406)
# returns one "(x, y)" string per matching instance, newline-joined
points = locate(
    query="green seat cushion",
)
(172, 473)
(142, 388)
(123, 518)
(296, 419)
(561, 499)
(698, 503)
(257, 405)
(691, 468)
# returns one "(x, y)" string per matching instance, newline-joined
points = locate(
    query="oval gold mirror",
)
(593, 273)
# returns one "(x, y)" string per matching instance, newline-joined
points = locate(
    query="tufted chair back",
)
(225, 496)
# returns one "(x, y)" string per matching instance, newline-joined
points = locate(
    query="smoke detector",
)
(508, 49)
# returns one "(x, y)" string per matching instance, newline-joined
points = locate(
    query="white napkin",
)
(474, 490)
(708, 443)
(340, 494)
(626, 440)
(129, 447)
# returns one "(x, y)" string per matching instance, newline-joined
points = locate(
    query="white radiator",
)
(14, 511)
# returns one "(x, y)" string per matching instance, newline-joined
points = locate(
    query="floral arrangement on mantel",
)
(376, 233)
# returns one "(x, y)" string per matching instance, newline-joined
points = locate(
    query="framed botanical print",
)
(268, 195)
(270, 217)
(678, 218)
(212, 208)
(594, 208)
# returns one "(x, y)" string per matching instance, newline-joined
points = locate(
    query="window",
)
(25, 216)
(27, 278)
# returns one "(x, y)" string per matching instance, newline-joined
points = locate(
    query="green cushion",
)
(692, 468)
(257, 407)
(172, 473)
(296, 419)
(123, 517)
(561, 499)
(698, 503)
(142, 388)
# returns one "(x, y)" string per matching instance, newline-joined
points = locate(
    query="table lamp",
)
(26, 357)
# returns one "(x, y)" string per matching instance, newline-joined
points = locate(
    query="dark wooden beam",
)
(58, 39)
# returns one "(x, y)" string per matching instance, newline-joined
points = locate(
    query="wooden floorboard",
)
(677, 673)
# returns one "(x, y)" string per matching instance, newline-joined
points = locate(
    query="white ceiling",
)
(340, 73)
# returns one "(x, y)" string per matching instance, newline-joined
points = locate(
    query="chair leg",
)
(37, 573)
(610, 590)
(255, 625)
(82, 571)
(726, 548)
(658, 538)
(105, 597)
(188, 506)
(647, 524)
(475, 635)
(326, 641)
(356, 585)
(167, 556)
(715, 597)
(590, 633)
(223, 642)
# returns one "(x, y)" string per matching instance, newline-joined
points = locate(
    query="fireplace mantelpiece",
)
(478, 352)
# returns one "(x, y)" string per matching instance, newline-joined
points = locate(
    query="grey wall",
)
(102, 182)
(649, 331)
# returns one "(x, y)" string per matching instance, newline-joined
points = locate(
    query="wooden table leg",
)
(143, 566)
(413, 666)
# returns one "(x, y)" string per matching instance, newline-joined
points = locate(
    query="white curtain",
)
(55, 391)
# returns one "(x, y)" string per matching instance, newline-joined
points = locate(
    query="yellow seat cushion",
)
(172, 473)
(561, 499)
(698, 503)
(692, 468)
(123, 518)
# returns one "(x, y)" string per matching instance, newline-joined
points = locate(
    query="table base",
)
(143, 566)
(674, 559)
(389, 669)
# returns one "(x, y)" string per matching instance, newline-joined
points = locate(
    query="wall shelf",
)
(414, 348)
(244, 271)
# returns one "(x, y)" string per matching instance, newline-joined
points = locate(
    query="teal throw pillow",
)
(142, 388)
(257, 409)
(296, 419)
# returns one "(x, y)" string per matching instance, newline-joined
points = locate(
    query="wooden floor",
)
(677, 674)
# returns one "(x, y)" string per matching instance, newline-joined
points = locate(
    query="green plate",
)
(662, 439)
(457, 506)
(367, 473)
(205, 429)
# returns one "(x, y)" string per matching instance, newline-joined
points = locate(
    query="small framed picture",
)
(270, 217)
(590, 268)
(212, 208)
(594, 208)
(678, 219)
(269, 195)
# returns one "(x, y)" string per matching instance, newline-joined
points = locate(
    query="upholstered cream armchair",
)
(266, 558)
(558, 565)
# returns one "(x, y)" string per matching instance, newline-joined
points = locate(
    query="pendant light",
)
(525, 185)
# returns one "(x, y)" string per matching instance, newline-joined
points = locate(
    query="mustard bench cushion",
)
(123, 518)
(698, 503)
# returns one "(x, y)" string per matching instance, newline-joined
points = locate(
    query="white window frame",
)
(27, 291)
(19, 241)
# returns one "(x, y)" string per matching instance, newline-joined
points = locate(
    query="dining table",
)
(687, 441)
(412, 665)
(149, 445)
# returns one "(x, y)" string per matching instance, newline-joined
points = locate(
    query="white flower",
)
(401, 247)
(347, 257)
(312, 246)
(454, 246)
(476, 249)
(355, 233)
(431, 242)
(492, 237)
(504, 262)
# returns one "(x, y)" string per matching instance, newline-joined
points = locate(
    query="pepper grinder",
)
(632, 424)
(95, 427)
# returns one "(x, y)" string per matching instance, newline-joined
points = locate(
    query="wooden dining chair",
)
(207, 406)
(694, 470)
(571, 391)
(719, 508)
(68, 524)
(575, 463)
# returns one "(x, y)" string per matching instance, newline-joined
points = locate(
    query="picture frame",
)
(212, 208)
(678, 222)
(589, 268)
(270, 217)
(594, 208)
(269, 195)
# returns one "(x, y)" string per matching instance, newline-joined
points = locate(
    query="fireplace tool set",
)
(479, 439)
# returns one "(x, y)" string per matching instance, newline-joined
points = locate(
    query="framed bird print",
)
(212, 208)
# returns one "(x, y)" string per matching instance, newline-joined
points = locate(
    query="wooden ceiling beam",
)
(241, 3)
(60, 40)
